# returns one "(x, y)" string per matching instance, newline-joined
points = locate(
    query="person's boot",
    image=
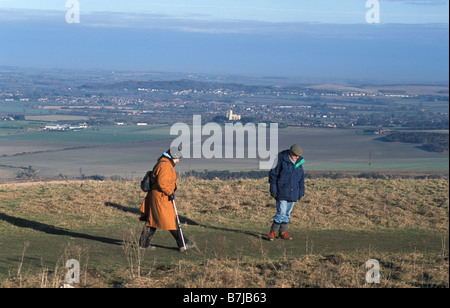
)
(189, 245)
(283, 234)
(177, 236)
(273, 231)
(146, 237)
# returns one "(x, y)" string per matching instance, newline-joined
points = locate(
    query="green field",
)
(128, 151)
(10, 128)
(95, 135)
(21, 107)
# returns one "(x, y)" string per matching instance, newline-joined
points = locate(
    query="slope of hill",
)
(337, 227)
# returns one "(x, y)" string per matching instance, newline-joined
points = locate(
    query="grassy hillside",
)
(337, 227)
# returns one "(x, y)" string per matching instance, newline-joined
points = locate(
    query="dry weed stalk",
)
(133, 253)
(19, 269)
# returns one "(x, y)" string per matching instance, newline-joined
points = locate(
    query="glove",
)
(143, 217)
(171, 197)
(273, 194)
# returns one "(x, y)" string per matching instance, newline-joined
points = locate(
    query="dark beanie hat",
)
(296, 150)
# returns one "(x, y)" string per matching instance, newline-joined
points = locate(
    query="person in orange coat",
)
(157, 209)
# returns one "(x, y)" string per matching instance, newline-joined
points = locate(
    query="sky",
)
(320, 39)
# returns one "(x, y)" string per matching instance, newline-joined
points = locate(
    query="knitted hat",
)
(296, 150)
(175, 153)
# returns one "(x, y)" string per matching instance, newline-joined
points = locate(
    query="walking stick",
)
(179, 225)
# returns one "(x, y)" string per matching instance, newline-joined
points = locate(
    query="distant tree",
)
(435, 142)
(27, 173)
(220, 119)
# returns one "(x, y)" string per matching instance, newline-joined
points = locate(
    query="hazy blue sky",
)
(326, 11)
(303, 38)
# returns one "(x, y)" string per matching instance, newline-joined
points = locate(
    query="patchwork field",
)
(128, 151)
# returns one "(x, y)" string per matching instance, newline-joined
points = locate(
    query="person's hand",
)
(171, 197)
(273, 194)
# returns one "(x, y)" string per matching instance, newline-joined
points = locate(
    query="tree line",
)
(434, 142)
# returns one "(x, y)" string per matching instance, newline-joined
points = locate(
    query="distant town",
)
(73, 113)
(83, 99)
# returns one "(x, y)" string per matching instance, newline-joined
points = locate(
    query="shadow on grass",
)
(187, 221)
(49, 229)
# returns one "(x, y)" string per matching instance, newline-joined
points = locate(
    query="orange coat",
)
(156, 206)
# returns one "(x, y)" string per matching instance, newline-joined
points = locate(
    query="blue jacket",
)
(287, 180)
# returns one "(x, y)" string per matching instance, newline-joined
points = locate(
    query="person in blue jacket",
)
(287, 186)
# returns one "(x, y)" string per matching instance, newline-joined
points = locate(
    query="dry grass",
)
(349, 204)
(70, 205)
(309, 271)
(329, 204)
(55, 277)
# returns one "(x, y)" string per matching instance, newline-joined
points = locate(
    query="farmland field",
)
(95, 135)
(18, 107)
(128, 151)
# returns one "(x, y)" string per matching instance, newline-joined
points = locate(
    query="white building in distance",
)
(232, 117)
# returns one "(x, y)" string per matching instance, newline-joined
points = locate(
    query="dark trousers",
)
(278, 227)
(148, 233)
